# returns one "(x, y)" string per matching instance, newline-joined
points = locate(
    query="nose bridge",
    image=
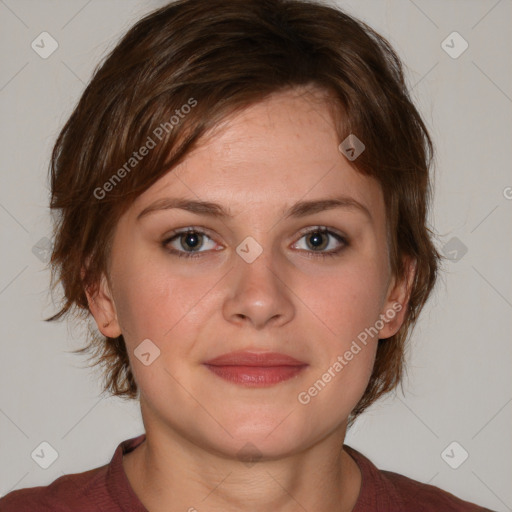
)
(255, 269)
(258, 294)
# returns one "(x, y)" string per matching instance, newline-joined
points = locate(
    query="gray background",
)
(459, 384)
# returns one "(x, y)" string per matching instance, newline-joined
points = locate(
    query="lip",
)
(253, 369)
(254, 359)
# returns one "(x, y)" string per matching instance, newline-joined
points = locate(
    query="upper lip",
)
(254, 359)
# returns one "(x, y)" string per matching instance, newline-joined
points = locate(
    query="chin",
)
(266, 439)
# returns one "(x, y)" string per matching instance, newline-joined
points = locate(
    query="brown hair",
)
(218, 57)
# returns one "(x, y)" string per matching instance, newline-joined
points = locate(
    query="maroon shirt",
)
(107, 489)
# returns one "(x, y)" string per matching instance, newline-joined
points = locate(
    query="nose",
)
(258, 294)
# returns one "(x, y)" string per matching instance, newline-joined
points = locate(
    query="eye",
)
(188, 242)
(319, 239)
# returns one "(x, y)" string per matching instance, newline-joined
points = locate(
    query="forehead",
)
(272, 153)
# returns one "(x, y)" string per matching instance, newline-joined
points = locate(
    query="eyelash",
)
(310, 254)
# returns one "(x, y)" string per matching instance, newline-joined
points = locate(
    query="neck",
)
(171, 473)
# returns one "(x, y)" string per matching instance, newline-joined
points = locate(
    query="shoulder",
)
(75, 492)
(427, 498)
(388, 491)
(104, 488)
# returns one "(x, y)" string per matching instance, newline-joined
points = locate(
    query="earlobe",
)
(102, 308)
(397, 303)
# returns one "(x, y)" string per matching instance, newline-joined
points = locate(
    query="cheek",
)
(348, 301)
(155, 300)
(153, 303)
(142, 295)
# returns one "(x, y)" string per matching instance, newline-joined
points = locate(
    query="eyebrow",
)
(298, 210)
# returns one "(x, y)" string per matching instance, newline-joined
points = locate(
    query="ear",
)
(397, 300)
(102, 307)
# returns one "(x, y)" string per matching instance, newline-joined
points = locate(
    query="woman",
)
(243, 190)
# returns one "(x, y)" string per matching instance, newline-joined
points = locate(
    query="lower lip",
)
(256, 376)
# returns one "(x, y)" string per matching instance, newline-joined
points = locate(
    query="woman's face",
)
(262, 279)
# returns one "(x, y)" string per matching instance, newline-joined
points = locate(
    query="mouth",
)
(253, 369)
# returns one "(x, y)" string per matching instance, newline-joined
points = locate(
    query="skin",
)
(256, 164)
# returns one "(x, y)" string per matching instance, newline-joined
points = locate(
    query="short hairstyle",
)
(180, 71)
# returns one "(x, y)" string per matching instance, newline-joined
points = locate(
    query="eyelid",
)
(188, 229)
(195, 229)
(328, 229)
